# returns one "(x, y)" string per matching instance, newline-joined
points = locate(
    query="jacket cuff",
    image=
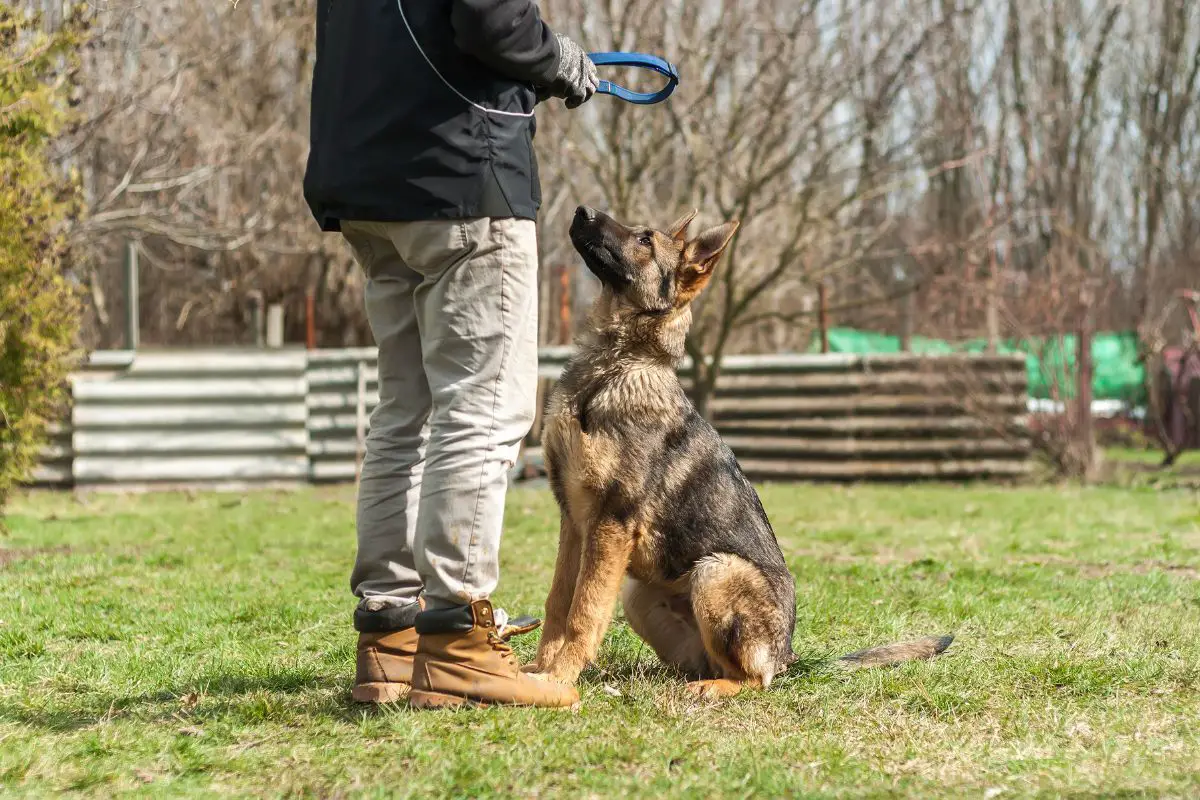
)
(551, 75)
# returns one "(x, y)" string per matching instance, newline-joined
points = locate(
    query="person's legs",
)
(385, 575)
(477, 311)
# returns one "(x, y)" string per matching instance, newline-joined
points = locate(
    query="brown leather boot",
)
(462, 660)
(384, 668)
(387, 643)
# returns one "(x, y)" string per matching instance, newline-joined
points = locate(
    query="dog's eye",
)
(646, 239)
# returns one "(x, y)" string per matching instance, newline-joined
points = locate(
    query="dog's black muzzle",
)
(598, 238)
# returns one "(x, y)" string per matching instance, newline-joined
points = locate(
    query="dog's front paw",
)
(532, 667)
(713, 689)
(556, 675)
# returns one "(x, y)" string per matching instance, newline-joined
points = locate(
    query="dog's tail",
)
(888, 654)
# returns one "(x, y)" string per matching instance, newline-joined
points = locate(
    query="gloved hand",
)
(576, 80)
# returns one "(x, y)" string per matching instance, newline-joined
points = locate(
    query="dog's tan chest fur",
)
(583, 464)
(587, 463)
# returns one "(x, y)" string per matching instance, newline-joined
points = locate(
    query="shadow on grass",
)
(651, 670)
(205, 698)
(281, 694)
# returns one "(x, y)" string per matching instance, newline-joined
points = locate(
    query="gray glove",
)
(576, 80)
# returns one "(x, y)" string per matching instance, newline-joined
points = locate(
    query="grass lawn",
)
(191, 645)
(1150, 457)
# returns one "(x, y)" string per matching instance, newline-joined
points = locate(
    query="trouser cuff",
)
(391, 618)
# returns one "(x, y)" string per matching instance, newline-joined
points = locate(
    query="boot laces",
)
(500, 646)
(496, 635)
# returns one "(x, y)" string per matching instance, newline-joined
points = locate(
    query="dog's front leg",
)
(605, 558)
(562, 592)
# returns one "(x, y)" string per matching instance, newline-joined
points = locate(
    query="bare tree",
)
(787, 120)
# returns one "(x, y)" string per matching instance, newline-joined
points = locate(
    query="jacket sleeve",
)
(508, 36)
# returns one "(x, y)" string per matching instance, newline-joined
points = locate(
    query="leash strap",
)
(643, 61)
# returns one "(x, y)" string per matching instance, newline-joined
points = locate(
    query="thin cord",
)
(469, 101)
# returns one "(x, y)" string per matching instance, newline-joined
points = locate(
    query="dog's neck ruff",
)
(635, 337)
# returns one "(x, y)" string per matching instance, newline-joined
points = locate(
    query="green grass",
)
(1149, 456)
(195, 645)
(1139, 467)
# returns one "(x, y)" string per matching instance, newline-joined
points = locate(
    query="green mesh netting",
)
(1049, 361)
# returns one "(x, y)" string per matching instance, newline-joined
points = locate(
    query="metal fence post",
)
(360, 419)
(132, 311)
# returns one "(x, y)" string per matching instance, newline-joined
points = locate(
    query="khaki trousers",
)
(453, 309)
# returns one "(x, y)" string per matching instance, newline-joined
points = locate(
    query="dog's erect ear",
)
(678, 230)
(701, 254)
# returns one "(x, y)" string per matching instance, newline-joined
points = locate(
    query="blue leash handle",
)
(653, 63)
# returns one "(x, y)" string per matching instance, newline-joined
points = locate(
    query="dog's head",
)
(648, 271)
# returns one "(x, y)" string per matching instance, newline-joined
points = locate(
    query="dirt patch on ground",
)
(1180, 476)
(15, 554)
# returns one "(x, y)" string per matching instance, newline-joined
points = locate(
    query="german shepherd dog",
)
(648, 492)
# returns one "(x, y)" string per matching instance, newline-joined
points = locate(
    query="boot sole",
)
(379, 693)
(432, 700)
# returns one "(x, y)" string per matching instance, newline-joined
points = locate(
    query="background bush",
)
(39, 309)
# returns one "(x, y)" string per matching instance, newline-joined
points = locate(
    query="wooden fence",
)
(186, 417)
(293, 416)
(887, 417)
(343, 389)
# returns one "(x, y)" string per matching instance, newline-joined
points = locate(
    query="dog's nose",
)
(585, 214)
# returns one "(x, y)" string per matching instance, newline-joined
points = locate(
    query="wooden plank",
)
(138, 391)
(734, 388)
(223, 362)
(976, 362)
(52, 473)
(549, 372)
(803, 449)
(173, 440)
(108, 360)
(785, 362)
(846, 362)
(755, 407)
(341, 356)
(328, 424)
(341, 447)
(53, 450)
(761, 469)
(865, 427)
(224, 415)
(93, 469)
(339, 401)
(339, 376)
(341, 471)
(865, 382)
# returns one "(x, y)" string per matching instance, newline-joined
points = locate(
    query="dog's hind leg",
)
(665, 622)
(739, 624)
